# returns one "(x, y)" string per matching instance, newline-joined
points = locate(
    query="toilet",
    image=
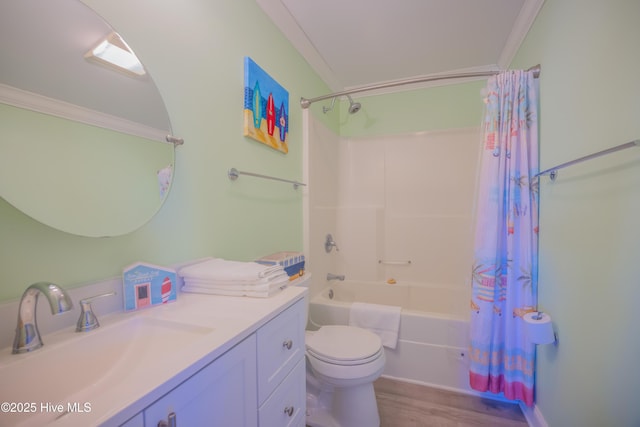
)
(342, 364)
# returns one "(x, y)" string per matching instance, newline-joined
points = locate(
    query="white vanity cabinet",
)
(223, 393)
(281, 369)
(259, 382)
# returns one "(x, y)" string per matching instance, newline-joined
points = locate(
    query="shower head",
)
(354, 107)
(327, 109)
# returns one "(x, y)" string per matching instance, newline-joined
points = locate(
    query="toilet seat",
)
(344, 345)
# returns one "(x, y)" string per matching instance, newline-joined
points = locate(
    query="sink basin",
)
(73, 366)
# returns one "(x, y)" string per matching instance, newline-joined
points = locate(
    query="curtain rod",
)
(305, 103)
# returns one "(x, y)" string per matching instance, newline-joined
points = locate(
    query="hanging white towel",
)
(383, 320)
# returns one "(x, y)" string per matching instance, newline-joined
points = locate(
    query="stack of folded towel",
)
(235, 278)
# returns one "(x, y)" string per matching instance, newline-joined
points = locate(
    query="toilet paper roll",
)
(539, 330)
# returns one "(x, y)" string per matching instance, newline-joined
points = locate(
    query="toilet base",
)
(320, 418)
(354, 406)
(319, 402)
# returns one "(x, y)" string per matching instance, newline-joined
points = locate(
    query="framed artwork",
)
(266, 108)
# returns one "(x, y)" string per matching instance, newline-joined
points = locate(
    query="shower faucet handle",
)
(329, 244)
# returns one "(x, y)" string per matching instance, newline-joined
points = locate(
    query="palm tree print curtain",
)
(504, 279)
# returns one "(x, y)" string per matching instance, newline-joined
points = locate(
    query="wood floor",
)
(404, 404)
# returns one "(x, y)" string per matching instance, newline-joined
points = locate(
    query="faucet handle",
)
(88, 320)
(329, 244)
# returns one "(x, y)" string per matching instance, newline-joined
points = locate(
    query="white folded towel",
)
(234, 286)
(221, 269)
(383, 320)
(235, 291)
(276, 278)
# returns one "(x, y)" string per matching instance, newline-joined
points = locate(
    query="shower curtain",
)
(504, 277)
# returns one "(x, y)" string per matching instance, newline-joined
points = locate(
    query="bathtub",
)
(434, 328)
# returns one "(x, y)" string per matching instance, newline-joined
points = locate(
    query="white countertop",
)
(231, 320)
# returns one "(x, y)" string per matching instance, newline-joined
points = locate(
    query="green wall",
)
(194, 50)
(452, 106)
(589, 232)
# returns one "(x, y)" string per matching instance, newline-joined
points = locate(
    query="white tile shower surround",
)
(397, 198)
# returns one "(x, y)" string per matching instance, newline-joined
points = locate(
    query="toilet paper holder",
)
(540, 333)
(537, 315)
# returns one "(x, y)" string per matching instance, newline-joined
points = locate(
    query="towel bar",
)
(553, 172)
(234, 173)
(380, 261)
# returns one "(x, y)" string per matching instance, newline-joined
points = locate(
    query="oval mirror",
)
(84, 144)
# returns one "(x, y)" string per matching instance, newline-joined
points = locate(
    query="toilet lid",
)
(343, 343)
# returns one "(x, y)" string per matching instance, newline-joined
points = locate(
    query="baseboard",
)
(470, 392)
(533, 416)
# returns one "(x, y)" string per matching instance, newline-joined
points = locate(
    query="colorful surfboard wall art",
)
(266, 108)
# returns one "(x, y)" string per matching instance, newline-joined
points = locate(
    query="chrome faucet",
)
(329, 244)
(27, 333)
(331, 276)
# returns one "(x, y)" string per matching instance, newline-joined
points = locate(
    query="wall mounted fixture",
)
(382, 261)
(329, 244)
(326, 109)
(539, 328)
(306, 102)
(354, 107)
(115, 53)
(234, 173)
(553, 172)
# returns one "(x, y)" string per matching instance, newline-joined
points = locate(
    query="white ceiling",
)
(355, 43)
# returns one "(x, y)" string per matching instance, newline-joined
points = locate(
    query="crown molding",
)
(520, 29)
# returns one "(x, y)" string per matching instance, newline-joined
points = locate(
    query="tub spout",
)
(331, 276)
(27, 333)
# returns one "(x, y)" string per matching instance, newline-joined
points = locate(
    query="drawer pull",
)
(289, 410)
(287, 344)
(171, 421)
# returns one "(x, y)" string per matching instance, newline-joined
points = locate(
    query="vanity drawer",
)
(286, 406)
(280, 347)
